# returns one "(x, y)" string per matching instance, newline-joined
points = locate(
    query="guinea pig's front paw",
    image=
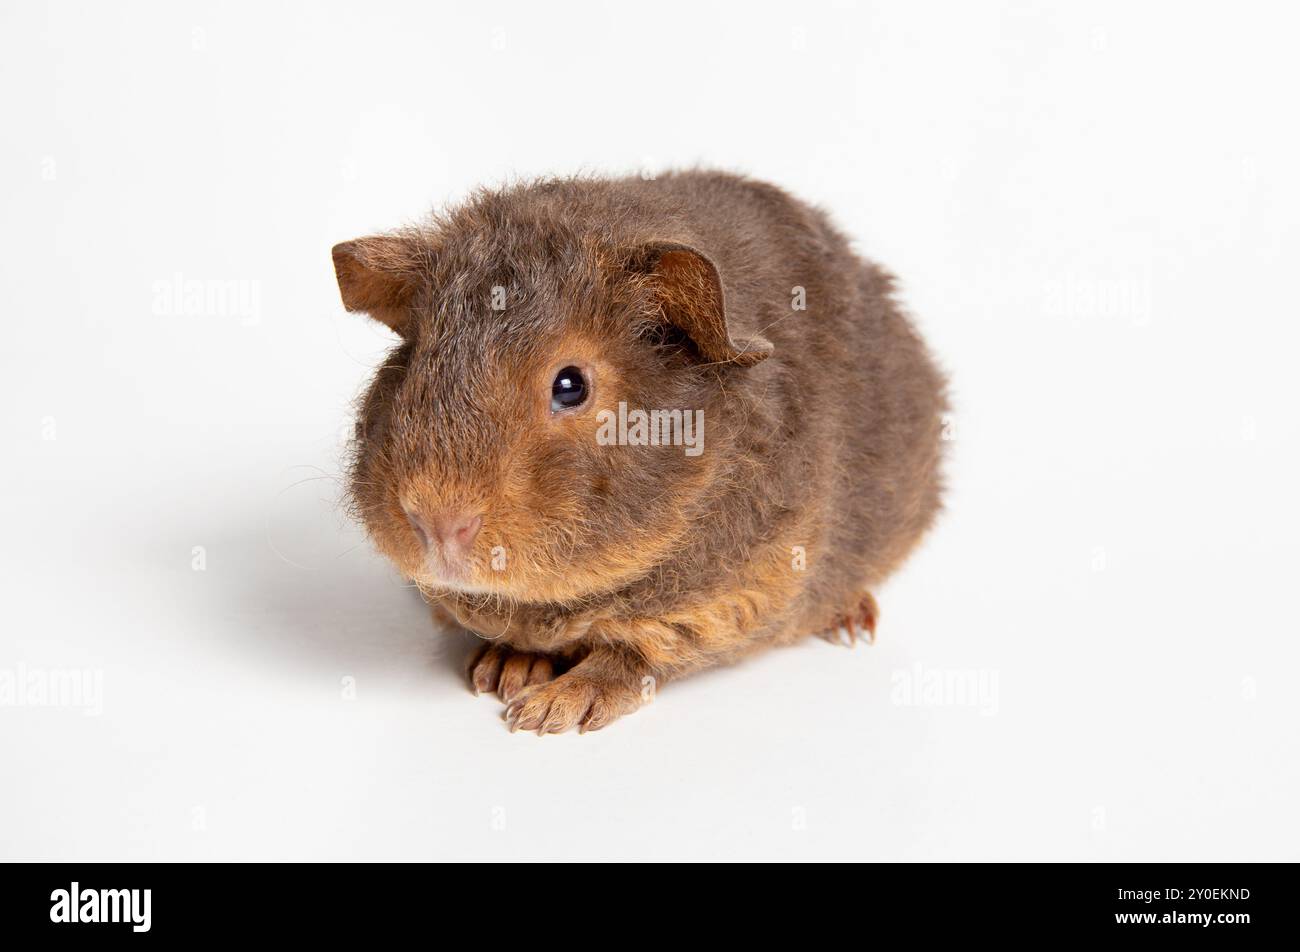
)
(575, 699)
(568, 701)
(500, 668)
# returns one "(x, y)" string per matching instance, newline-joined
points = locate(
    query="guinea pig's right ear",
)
(689, 290)
(381, 276)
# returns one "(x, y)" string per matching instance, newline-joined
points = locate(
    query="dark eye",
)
(569, 389)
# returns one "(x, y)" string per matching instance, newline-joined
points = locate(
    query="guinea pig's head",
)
(557, 410)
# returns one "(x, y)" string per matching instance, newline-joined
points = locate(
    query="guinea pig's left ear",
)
(381, 275)
(690, 292)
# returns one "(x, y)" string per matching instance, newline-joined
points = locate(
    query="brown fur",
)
(625, 566)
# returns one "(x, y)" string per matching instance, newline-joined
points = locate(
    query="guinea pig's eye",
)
(569, 389)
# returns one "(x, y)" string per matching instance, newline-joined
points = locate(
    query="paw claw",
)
(859, 624)
(485, 668)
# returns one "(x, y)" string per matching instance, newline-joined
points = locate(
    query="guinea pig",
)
(635, 428)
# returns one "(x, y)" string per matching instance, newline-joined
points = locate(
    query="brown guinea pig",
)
(636, 428)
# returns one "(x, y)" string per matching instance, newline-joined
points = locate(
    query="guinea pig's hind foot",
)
(500, 668)
(859, 623)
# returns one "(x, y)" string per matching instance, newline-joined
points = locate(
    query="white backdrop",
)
(1092, 209)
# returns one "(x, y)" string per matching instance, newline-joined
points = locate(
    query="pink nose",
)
(455, 532)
